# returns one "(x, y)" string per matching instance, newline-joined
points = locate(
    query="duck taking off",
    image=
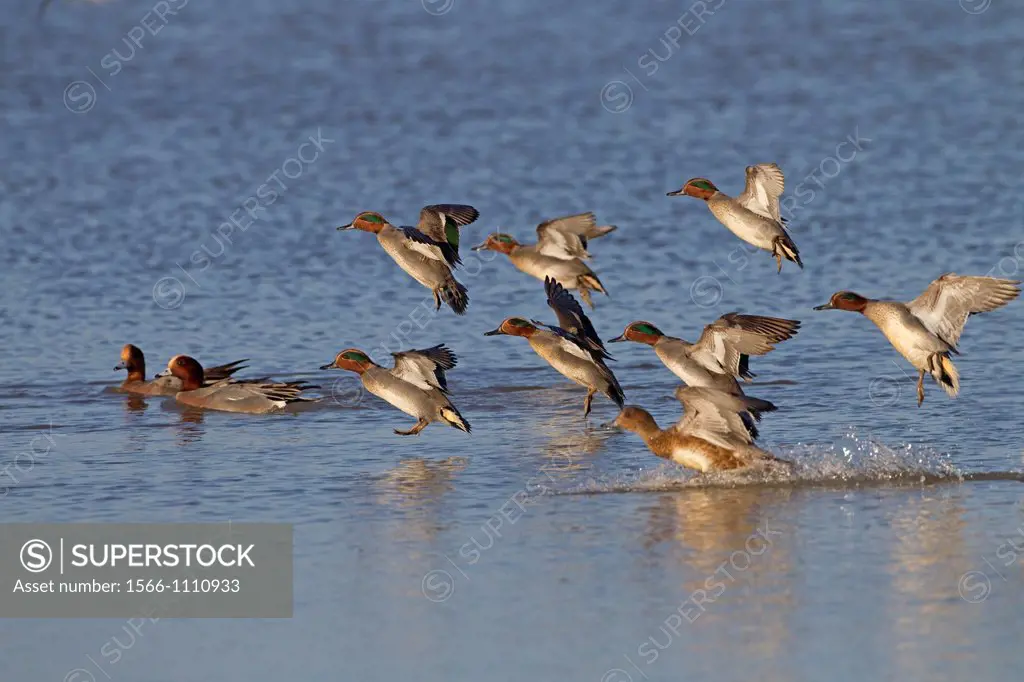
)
(722, 353)
(713, 434)
(572, 347)
(416, 385)
(926, 331)
(559, 253)
(427, 252)
(753, 216)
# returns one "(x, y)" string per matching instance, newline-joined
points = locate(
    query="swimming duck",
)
(133, 360)
(559, 252)
(927, 330)
(713, 435)
(427, 252)
(255, 396)
(573, 347)
(753, 216)
(416, 384)
(722, 353)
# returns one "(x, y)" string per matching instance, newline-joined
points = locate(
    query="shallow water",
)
(889, 556)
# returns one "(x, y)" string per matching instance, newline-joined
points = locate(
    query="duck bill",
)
(329, 365)
(494, 332)
(677, 193)
(120, 365)
(827, 306)
(480, 247)
(350, 226)
(165, 373)
(611, 426)
(617, 339)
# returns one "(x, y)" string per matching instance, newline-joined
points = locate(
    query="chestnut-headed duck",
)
(715, 434)
(573, 347)
(753, 216)
(722, 353)
(926, 331)
(256, 396)
(427, 252)
(559, 252)
(133, 360)
(416, 385)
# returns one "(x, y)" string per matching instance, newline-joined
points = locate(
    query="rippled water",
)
(897, 125)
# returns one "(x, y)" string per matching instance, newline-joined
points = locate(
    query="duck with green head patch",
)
(753, 216)
(573, 347)
(416, 385)
(427, 252)
(559, 252)
(926, 331)
(722, 353)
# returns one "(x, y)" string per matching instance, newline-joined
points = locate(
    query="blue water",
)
(412, 556)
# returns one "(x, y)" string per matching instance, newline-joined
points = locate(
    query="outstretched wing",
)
(726, 344)
(441, 222)
(765, 184)
(425, 368)
(429, 247)
(946, 304)
(566, 237)
(719, 417)
(570, 315)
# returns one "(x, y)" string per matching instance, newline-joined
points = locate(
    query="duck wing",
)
(566, 237)
(425, 368)
(765, 184)
(441, 222)
(946, 304)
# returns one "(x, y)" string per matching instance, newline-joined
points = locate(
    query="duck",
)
(427, 252)
(926, 331)
(256, 396)
(721, 356)
(559, 253)
(753, 216)
(711, 436)
(416, 385)
(572, 347)
(133, 360)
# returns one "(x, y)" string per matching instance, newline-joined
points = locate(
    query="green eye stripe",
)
(647, 329)
(357, 357)
(370, 218)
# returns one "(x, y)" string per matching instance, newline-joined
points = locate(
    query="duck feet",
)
(775, 252)
(585, 295)
(437, 300)
(420, 425)
(587, 401)
(920, 387)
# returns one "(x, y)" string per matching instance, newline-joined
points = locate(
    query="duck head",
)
(503, 243)
(368, 221)
(640, 332)
(701, 188)
(187, 369)
(637, 420)
(845, 300)
(514, 326)
(352, 359)
(134, 361)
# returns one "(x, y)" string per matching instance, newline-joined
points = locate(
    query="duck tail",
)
(455, 295)
(787, 247)
(590, 281)
(615, 391)
(944, 372)
(452, 418)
